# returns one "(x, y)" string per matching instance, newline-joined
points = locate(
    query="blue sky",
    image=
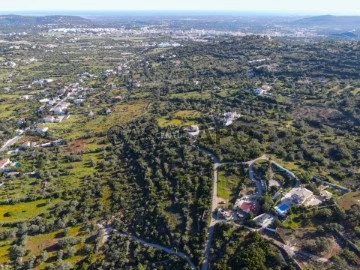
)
(346, 7)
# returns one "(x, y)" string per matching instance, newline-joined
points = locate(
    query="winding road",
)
(259, 192)
(213, 221)
(107, 230)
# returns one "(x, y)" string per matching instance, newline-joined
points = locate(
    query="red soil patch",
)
(77, 146)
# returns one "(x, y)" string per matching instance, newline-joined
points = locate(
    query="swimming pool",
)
(283, 207)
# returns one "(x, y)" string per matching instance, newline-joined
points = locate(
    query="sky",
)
(336, 7)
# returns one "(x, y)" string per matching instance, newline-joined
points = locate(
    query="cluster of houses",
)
(58, 107)
(28, 144)
(296, 196)
(123, 68)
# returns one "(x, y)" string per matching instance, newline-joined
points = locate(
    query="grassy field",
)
(36, 244)
(4, 251)
(293, 221)
(180, 118)
(228, 183)
(349, 200)
(24, 211)
(187, 114)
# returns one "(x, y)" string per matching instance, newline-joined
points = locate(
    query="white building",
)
(41, 129)
(193, 130)
(264, 220)
(259, 91)
(229, 118)
(298, 195)
(49, 119)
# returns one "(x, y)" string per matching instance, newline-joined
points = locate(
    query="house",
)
(58, 142)
(263, 90)
(45, 100)
(60, 109)
(224, 214)
(27, 97)
(79, 101)
(41, 108)
(193, 130)
(21, 122)
(49, 119)
(264, 220)
(164, 45)
(41, 129)
(25, 145)
(325, 194)
(4, 163)
(266, 87)
(229, 117)
(12, 174)
(248, 207)
(117, 98)
(49, 144)
(137, 84)
(296, 196)
(259, 91)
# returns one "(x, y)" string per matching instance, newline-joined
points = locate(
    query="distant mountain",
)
(330, 21)
(22, 21)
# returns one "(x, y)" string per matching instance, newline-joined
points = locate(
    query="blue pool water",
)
(283, 207)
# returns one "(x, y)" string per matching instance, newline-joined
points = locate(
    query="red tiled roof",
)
(3, 161)
(248, 207)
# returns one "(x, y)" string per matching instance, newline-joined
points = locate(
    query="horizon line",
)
(249, 12)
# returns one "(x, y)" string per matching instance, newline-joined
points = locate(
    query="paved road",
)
(288, 172)
(250, 162)
(211, 228)
(259, 187)
(10, 143)
(332, 185)
(182, 255)
(213, 221)
(289, 250)
(265, 157)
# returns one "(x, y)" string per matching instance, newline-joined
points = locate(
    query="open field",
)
(350, 199)
(24, 211)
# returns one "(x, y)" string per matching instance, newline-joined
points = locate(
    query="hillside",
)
(330, 21)
(28, 21)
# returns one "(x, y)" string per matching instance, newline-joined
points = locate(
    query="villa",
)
(296, 196)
